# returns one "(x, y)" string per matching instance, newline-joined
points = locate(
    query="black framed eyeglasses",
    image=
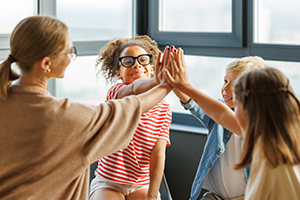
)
(73, 53)
(128, 61)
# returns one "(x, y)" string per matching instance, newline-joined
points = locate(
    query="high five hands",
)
(171, 68)
(175, 69)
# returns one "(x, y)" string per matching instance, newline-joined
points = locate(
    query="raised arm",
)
(177, 76)
(153, 96)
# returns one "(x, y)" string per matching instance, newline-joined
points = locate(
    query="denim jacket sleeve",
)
(197, 112)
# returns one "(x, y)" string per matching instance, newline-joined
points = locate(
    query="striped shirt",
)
(132, 165)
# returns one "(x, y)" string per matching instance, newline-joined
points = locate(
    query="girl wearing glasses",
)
(134, 173)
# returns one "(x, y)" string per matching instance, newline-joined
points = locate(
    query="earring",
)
(47, 71)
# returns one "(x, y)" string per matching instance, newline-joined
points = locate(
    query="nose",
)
(225, 89)
(136, 64)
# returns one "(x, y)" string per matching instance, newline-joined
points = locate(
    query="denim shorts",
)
(100, 182)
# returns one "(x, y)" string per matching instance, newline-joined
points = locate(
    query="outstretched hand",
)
(176, 71)
(160, 66)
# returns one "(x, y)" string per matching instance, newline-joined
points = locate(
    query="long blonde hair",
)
(31, 40)
(273, 113)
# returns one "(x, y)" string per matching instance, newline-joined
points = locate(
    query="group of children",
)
(253, 145)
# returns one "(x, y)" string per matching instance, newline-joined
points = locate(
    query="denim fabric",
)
(217, 139)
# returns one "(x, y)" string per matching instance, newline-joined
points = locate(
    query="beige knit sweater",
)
(47, 144)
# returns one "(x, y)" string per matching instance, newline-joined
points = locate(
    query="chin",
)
(229, 104)
(61, 76)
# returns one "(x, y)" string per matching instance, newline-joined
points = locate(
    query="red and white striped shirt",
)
(132, 165)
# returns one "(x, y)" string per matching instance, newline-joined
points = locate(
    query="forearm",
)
(182, 96)
(142, 85)
(153, 96)
(137, 87)
(157, 165)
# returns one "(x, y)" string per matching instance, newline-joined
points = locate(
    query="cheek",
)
(222, 89)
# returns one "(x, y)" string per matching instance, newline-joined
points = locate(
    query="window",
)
(195, 15)
(92, 24)
(266, 28)
(291, 70)
(92, 20)
(277, 22)
(81, 82)
(14, 11)
(180, 22)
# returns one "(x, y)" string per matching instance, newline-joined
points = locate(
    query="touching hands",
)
(176, 71)
(160, 66)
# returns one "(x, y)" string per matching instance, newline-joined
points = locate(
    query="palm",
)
(177, 74)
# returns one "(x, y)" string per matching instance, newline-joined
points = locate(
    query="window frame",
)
(195, 39)
(239, 44)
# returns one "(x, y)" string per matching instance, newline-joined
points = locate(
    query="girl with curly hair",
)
(134, 172)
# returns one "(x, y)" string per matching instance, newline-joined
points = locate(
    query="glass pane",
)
(96, 19)
(277, 22)
(206, 74)
(291, 70)
(81, 82)
(195, 15)
(13, 11)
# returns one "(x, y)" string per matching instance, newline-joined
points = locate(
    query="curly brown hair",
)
(107, 61)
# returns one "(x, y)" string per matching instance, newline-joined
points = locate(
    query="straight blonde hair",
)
(245, 63)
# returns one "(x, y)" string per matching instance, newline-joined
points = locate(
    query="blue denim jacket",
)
(215, 145)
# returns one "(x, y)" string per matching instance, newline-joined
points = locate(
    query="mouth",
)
(137, 73)
(226, 99)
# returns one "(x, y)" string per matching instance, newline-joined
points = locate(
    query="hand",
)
(160, 67)
(176, 71)
(158, 70)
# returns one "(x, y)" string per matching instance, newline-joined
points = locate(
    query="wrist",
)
(166, 85)
(155, 81)
(152, 196)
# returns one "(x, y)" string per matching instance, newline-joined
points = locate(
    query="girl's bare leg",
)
(106, 194)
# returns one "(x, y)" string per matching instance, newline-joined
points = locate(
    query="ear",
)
(45, 63)
(118, 74)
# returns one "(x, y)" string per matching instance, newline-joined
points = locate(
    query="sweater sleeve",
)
(112, 127)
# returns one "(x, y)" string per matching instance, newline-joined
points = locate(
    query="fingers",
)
(158, 63)
(158, 68)
(169, 77)
(179, 57)
(164, 56)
